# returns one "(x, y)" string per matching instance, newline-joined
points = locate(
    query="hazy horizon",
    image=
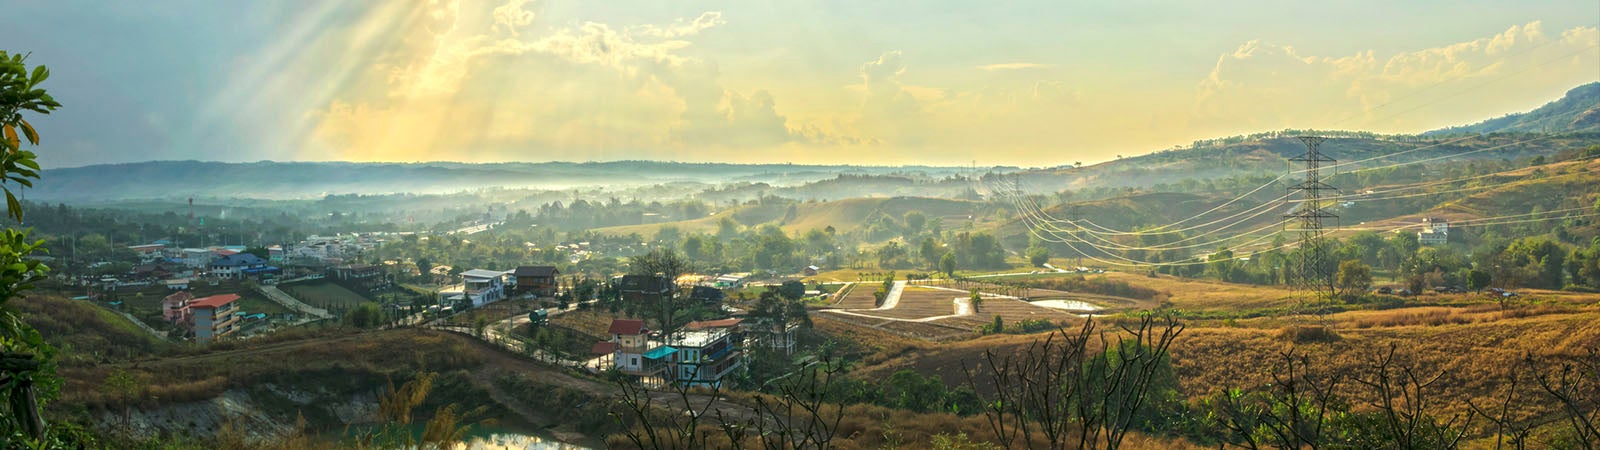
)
(1020, 84)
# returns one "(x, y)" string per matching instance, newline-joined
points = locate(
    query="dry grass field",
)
(1201, 295)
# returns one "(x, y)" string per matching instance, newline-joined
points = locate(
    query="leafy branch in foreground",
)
(27, 374)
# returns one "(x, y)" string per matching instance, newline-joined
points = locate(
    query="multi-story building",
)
(536, 280)
(175, 307)
(479, 286)
(197, 257)
(239, 265)
(1435, 231)
(213, 317)
(634, 354)
(148, 252)
(360, 276)
(703, 357)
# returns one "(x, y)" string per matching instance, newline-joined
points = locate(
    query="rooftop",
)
(627, 326)
(604, 348)
(239, 259)
(660, 352)
(646, 283)
(535, 271)
(696, 339)
(482, 273)
(215, 301)
(719, 323)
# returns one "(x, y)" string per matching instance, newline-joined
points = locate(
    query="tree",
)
(424, 266)
(1477, 280)
(660, 261)
(1354, 276)
(929, 252)
(792, 290)
(915, 221)
(1038, 255)
(365, 315)
(124, 388)
(947, 264)
(889, 253)
(28, 359)
(260, 252)
(976, 300)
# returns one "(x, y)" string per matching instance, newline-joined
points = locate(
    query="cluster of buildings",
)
(703, 353)
(175, 267)
(334, 249)
(482, 286)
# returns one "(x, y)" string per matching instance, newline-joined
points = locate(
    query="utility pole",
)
(1314, 269)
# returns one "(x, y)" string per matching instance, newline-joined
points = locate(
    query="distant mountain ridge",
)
(1263, 153)
(1579, 109)
(292, 180)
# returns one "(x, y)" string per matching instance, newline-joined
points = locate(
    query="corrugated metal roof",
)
(660, 352)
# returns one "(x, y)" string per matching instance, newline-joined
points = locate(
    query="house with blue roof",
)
(240, 265)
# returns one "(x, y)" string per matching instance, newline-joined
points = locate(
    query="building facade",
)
(214, 317)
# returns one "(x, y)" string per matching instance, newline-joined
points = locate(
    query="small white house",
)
(1435, 231)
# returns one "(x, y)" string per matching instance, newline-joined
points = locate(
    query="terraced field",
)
(933, 314)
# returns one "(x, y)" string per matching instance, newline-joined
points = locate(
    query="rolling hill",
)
(1579, 109)
(844, 216)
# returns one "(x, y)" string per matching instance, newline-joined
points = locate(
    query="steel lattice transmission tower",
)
(1314, 267)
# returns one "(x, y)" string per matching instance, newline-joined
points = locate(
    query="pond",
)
(1069, 305)
(491, 440)
(499, 438)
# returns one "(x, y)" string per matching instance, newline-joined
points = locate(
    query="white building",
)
(1435, 231)
(480, 286)
(197, 257)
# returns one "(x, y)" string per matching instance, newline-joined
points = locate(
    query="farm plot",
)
(860, 297)
(918, 303)
(917, 330)
(324, 294)
(922, 303)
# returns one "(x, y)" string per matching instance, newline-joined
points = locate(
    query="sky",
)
(1021, 83)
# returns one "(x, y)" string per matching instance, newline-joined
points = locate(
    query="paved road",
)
(146, 327)
(893, 297)
(277, 295)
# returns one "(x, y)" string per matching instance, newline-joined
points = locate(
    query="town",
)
(556, 225)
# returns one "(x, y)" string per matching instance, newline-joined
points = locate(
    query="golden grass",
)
(1199, 295)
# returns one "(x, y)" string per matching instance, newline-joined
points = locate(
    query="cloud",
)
(886, 69)
(510, 16)
(680, 28)
(492, 82)
(1270, 86)
(1014, 66)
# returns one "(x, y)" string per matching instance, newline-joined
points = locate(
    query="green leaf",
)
(28, 132)
(39, 74)
(13, 207)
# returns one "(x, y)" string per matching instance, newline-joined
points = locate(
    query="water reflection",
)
(1070, 305)
(510, 441)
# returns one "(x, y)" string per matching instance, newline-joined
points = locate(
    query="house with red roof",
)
(213, 317)
(633, 352)
(175, 307)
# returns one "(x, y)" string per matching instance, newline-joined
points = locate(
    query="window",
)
(634, 361)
